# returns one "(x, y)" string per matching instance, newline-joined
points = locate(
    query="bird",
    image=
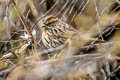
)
(55, 32)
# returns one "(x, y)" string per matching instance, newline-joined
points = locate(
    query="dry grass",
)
(93, 54)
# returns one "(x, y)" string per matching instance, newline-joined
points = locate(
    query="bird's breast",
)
(52, 41)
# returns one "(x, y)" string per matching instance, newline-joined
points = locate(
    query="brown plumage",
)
(55, 32)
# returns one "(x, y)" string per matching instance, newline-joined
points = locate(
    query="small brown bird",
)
(55, 32)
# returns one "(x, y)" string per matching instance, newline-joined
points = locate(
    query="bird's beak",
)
(43, 26)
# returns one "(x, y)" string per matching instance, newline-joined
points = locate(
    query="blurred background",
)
(98, 22)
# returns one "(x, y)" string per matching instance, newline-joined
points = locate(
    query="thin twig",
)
(27, 27)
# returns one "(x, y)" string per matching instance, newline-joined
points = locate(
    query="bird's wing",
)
(69, 33)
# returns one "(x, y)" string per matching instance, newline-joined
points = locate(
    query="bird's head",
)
(47, 21)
